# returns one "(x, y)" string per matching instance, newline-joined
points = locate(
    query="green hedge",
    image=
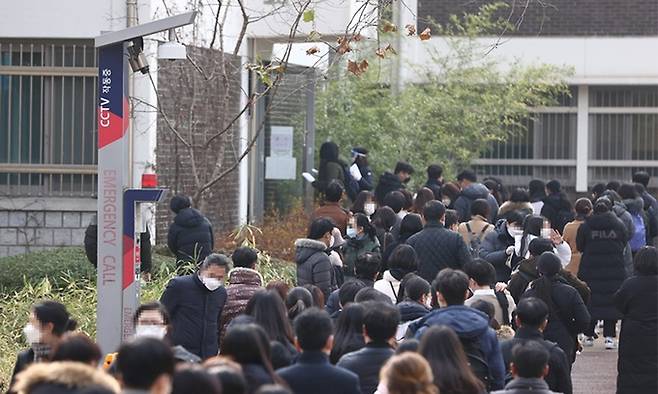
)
(54, 264)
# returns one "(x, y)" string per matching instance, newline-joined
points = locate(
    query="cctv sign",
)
(113, 159)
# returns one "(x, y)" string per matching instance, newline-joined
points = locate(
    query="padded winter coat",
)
(438, 248)
(190, 236)
(471, 193)
(637, 366)
(493, 250)
(602, 239)
(243, 284)
(195, 312)
(314, 266)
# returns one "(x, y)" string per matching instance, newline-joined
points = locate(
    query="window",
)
(47, 117)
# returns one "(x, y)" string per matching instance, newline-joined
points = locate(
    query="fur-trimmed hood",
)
(305, 248)
(70, 376)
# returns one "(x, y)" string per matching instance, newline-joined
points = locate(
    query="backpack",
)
(504, 305)
(639, 238)
(475, 243)
(477, 361)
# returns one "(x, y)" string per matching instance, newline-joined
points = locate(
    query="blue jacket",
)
(471, 193)
(194, 312)
(313, 374)
(468, 323)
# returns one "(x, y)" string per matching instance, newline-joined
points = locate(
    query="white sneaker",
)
(610, 343)
(588, 342)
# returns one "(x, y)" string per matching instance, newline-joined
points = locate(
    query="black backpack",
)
(504, 305)
(477, 361)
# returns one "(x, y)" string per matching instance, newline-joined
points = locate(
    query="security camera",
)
(172, 50)
(136, 56)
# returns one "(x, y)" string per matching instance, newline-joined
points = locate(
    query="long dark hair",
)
(349, 332)
(362, 220)
(442, 349)
(268, 310)
(532, 225)
(248, 344)
(360, 201)
(328, 154)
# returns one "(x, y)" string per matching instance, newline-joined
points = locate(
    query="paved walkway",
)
(595, 370)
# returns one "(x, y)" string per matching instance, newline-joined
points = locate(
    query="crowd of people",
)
(457, 288)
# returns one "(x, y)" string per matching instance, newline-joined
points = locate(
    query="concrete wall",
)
(559, 17)
(32, 225)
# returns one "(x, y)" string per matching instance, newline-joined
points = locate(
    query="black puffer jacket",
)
(493, 249)
(314, 266)
(388, 182)
(558, 209)
(438, 248)
(194, 311)
(602, 239)
(190, 236)
(568, 319)
(637, 368)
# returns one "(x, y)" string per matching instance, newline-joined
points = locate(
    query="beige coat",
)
(569, 236)
(477, 223)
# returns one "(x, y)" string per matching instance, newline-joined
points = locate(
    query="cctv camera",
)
(172, 50)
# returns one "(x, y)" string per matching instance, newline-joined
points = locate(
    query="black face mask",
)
(406, 180)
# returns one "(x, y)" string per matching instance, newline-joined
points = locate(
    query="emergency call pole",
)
(118, 279)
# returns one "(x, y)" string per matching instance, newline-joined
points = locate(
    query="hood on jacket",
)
(501, 230)
(179, 202)
(71, 375)
(245, 276)
(189, 218)
(558, 201)
(467, 322)
(390, 179)
(305, 248)
(619, 209)
(602, 221)
(634, 206)
(475, 191)
(411, 310)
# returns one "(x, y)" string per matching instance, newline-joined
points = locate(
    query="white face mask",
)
(446, 201)
(546, 233)
(369, 208)
(332, 241)
(514, 231)
(150, 331)
(428, 301)
(211, 284)
(32, 334)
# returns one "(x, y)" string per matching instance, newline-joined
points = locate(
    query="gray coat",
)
(622, 213)
(314, 266)
(471, 193)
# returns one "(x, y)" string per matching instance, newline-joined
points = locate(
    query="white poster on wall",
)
(280, 164)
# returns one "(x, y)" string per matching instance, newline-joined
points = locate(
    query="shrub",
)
(53, 264)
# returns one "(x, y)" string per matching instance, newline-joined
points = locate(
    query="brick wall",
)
(561, 17)
(191, 101)
(40, 225)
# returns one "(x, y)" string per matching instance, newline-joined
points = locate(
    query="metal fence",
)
(622, 138)
(47, 118)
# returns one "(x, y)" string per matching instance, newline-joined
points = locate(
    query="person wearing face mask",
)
(362, 238)
(535, 226)
(312, 257)
(49, 321)
(498, 246)
(195, 303)
(364, 203)
(435, 180)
